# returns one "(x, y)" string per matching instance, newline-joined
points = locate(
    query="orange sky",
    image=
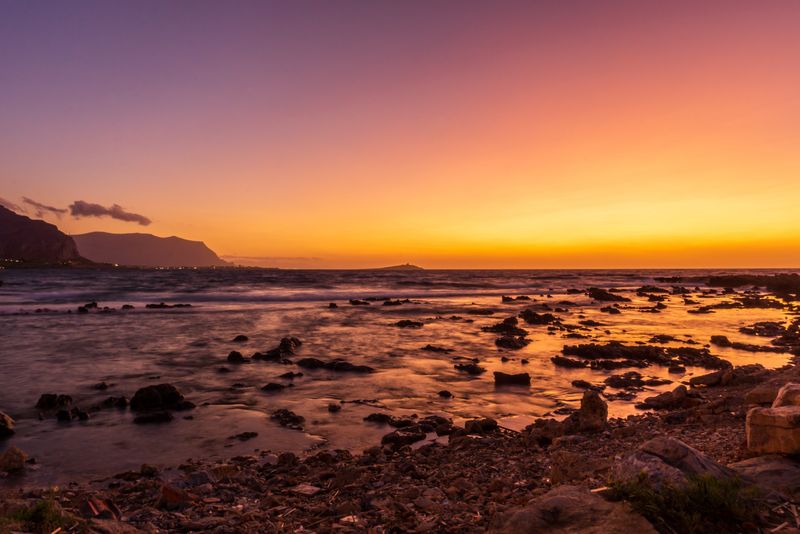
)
(448, 134)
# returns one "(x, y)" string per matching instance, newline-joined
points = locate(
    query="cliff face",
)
(30, 240)
(146, 250)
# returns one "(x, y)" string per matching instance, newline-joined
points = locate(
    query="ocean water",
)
(47, 347)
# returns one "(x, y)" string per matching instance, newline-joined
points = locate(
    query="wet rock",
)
(470, 368)
(632, 379)
(245, 436)
(153, 418)
(531, 317)
(610, 310)
(407, 323)
(53, 401)
(334, 365)
(272, 387)
(288, 346)
(602, 295)
(505, 379)
(435, 348)
(159, 397)
(570, 510)
(333, 305)
(357, 302)
(236, 357)
(291, 375)
(481, 426)
(507, 327)
(12, 461)
(6, 426)
(241, 338)
(717, 378)
(723, 341)
(678, 398)
(401, 437)
(562, 361)
(511, 342)
(445, 394)
(163, 306)
(676, 369)
(101, 386)
(288, 419)
(583, 384)
(334, 407)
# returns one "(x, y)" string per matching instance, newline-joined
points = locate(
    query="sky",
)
(472, 134)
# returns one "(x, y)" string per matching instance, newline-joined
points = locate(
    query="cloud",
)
(80, 208)
(42, 209)
(10, 205)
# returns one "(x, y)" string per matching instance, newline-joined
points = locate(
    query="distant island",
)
(146, 250)
(35, 242)
(404, 267)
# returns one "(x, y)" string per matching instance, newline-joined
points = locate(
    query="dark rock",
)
(601, 294)
(241, 338)
(481, 426)
(288, 346)
(290, 375)
(562, 361)
(531, 317)
(583, 384)
(407, 323)
(236, 357)
(506, 327)
(434, 348)
(6, 426)
(245, 436)
(273, 387)
(334, 365)
(333, 305)
(357, 302)
(678, 398)
(610, 310)
(399, 438)
(591, 417)
(159, 397)
(511, 342)
(127, 307)
(470, 368)
(520, 379)
(445, 394)
(115, 402)
(288, 419)
(632, 379)
(334, 407)
(53, 401)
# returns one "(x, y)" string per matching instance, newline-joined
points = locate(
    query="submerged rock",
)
(603, 295)
(680, 397)
(407, 323)
(53, 401)
(520, 379)
(470, 368)
(511, 342)
(241, 338)
(288, 419)
(507, 327)
(342, 366)
(153, 418)
(236, 357)
(288, 346)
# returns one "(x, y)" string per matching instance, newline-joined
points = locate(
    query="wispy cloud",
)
(40, 210)
(10, 205)
(80, 208)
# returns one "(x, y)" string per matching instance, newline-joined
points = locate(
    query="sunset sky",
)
(446, 134)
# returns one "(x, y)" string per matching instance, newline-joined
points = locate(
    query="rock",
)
(306, 490)
(665, 460)
(504, 379)
(481, 426)
(53, 401)
(172, 498)
(531, 317)
(772, 472)
(507, 327)
(333, 305)
(680, 397)
(445, 394)
(153, 418)
(159, 397)
(470, 368)
(272, 387)
(290, 375)
(6, 426)
(111, 526)
(357, 302)
(236, 357)
(717, 378)
(288, 346)
(572, 510)
(288, 419)
(773, 430)
(407, 323)
(434, 348)
(570, 363)
(762, 394)
(583, 384)
(12, 460)
(788, 395)
(632, 379)
(591, 417)
(334, 365)
(601, 294)
(401, 437)
(334, 407)
(241, 338)
(511, 342)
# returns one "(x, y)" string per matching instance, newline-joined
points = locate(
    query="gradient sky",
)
(446, 134)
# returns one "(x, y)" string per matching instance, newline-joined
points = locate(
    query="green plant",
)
(43, 517)
(704, 504)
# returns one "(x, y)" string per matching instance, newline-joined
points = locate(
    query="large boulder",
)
(776, 430)
(6, 426)
(772, 472)
(668, 461)
(572, 510)
(159, 397)
(678, 398)
(591, 417)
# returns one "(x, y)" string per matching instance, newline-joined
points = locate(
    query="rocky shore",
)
(684, 467)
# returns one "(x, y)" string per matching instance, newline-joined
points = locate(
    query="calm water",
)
(52, 351)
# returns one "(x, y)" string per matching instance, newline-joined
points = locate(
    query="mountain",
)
(34, 241)
(146, 250)
(404, 267)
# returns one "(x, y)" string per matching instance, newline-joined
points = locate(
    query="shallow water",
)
(54, 351)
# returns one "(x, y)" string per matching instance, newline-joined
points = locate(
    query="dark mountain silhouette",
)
(404, 267)
(146, 250)
(34, 241)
